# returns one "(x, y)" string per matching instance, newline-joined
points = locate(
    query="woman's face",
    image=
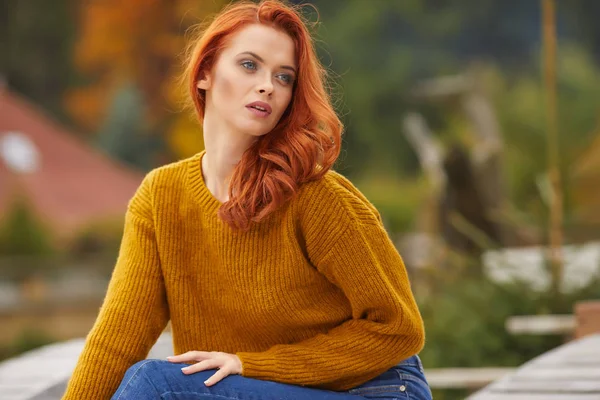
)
(251, 82)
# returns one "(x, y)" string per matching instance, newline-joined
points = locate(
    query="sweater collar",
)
(198, 186)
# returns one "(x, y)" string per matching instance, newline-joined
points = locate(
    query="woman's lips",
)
(259, 108)
(257, 112)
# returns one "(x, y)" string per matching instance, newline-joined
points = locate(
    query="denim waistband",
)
(413, 361)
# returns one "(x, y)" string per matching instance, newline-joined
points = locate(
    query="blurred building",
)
(68, 183)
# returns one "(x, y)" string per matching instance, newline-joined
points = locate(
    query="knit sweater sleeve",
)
(346, 241)
(134, 311)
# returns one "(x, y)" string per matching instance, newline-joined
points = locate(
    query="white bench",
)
(43, 373)
(568, 372)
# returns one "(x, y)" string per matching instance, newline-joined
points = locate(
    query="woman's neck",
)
(224, 150)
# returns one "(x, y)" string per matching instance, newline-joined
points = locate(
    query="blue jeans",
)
(158, 379)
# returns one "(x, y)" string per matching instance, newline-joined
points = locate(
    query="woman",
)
(276, 272)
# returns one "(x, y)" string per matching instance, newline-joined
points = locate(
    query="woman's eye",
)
(286, 78)
(249, 65)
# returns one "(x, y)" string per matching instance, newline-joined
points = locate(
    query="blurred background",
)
(474, 131)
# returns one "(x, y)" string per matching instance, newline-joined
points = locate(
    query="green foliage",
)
(123, 135)
(519, 103)
(381, 49)
(464, 322)
(36, 56)
(22, 233)
(397, 200)
(99, 237)
(474, 312)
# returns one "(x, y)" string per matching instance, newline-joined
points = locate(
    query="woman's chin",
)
(254, 130)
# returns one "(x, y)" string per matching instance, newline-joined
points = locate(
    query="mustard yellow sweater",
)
(314, 295)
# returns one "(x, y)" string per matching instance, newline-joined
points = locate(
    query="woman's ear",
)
(204, 82)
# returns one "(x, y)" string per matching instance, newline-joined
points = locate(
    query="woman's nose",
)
(265, 86)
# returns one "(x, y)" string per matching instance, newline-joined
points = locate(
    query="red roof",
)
(73, 184)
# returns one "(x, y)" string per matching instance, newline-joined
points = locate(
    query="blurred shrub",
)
(22, 233)
(465, 326)
(397, 200)
(519, 101)
(465, 319)
(29, 339)
(99, 237)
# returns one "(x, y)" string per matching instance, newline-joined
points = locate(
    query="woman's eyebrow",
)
(259, 58)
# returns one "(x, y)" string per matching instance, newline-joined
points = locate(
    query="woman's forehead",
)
(271, 44)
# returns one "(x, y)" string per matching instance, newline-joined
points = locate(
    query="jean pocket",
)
(416, 388)
(383, 392)
(408, 387)
(404, 381)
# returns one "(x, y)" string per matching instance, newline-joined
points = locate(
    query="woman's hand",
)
(227, 364)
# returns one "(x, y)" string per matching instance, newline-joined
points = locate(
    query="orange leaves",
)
(137, 41)
(86, 105)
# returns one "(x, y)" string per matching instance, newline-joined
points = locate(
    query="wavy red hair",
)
(304, 144)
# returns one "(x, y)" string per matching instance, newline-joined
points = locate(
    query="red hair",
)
(306, 141)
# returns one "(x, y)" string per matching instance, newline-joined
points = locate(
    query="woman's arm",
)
(134, 312)
(348, 244)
